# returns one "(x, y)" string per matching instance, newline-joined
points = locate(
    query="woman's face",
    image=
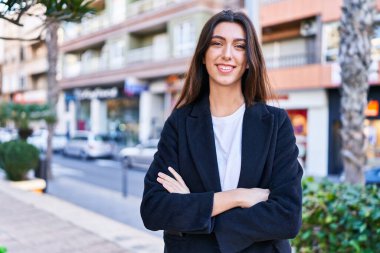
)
(225, 58)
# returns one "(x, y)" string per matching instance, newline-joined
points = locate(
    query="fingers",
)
(172, 185)
(169, 183)
(177, 176)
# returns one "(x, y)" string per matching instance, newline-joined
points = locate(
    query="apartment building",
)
(123, 69)
(24, 64)
(301, 42)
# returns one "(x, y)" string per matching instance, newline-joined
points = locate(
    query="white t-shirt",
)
(228, 141)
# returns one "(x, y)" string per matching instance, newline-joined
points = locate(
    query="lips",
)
(225, 68)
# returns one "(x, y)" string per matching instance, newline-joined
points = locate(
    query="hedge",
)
(339, 218)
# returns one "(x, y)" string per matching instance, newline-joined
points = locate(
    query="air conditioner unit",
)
(308, 28)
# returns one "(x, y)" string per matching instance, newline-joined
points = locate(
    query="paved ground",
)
(44, 224)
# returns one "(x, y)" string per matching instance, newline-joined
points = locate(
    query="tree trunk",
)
(52, 89)
(355, 59)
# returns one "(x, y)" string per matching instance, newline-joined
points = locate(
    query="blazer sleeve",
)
(280, 216)
(161, 210)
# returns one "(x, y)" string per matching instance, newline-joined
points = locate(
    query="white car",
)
(86, 145)
(7, 134)
(140, 156)
(39, 140)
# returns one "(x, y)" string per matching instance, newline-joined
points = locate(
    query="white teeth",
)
(226, 68)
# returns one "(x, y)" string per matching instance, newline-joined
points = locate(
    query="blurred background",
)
(121, 70)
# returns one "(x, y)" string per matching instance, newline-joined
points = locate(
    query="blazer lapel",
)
(257, 133)
(200, 136)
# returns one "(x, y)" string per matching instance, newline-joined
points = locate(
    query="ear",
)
(247, 66)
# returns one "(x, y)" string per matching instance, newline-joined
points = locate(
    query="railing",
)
(72, 69)
(143, 6)
(264, 2)
(102, 21)
(290, 60)
(96, 64)
(149, 53)
(87, 26)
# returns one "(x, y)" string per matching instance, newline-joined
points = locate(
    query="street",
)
(97, 186)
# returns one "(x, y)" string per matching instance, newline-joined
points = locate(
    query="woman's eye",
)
(240, 46)
(215, 43)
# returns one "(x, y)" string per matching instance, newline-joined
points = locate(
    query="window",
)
(330, 42)
(184, 39)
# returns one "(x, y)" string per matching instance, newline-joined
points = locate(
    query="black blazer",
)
(269, 160)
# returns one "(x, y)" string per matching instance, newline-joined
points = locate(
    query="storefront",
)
(298, 117)
(371, 130)
(308, 112)
(110, 110)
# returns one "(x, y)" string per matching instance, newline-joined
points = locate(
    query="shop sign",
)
(372, 108)
(133, 87)
(97, 93)
(30, 97)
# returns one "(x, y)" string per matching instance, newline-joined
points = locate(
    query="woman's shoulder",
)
(277, 112)
(280, 114)
(183, 110)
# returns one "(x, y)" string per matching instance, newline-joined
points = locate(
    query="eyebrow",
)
(222, 38)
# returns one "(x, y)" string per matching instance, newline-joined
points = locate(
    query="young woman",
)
(225, 177)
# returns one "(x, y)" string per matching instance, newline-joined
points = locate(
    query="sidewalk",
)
(44, 224)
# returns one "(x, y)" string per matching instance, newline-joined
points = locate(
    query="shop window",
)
(299, 122)
(372, 133)
(83, 122)
(123, 120)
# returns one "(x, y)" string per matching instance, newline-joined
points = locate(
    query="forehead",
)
(229, 30)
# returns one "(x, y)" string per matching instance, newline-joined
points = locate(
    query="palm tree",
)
(355, 59)
(53, 13)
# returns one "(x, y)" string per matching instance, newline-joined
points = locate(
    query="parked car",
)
(86, 145)
(7, 134)
(140, 156)
(39, 140)
(372, 176)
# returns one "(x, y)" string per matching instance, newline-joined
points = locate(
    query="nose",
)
(227, 53)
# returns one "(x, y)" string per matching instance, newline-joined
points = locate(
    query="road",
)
(97, 185)
(101, 172)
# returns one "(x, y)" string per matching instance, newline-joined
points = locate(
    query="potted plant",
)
(21, 116)
(17, 157)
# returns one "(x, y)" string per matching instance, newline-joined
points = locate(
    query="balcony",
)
(37, 66)
(143, 6)
(290, 60)
(265, 2)
(273, 12)
(97, 64)
(302, 77)
(88, 25)
(72, 70)
(149, 53)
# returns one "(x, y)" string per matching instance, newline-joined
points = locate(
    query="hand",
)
(173, 185)
(250, 197)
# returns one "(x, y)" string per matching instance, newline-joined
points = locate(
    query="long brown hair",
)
(255, 82)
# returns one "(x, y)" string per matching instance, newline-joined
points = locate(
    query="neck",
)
(225, 100)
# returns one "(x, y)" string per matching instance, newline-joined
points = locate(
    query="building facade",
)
(301, 42)
(123, 69)
(24, 64)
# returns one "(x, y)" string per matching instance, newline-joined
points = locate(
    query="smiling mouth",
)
(225, 68)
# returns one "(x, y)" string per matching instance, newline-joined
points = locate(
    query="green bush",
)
(3, 249)
(339, 218)
(17, 158)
